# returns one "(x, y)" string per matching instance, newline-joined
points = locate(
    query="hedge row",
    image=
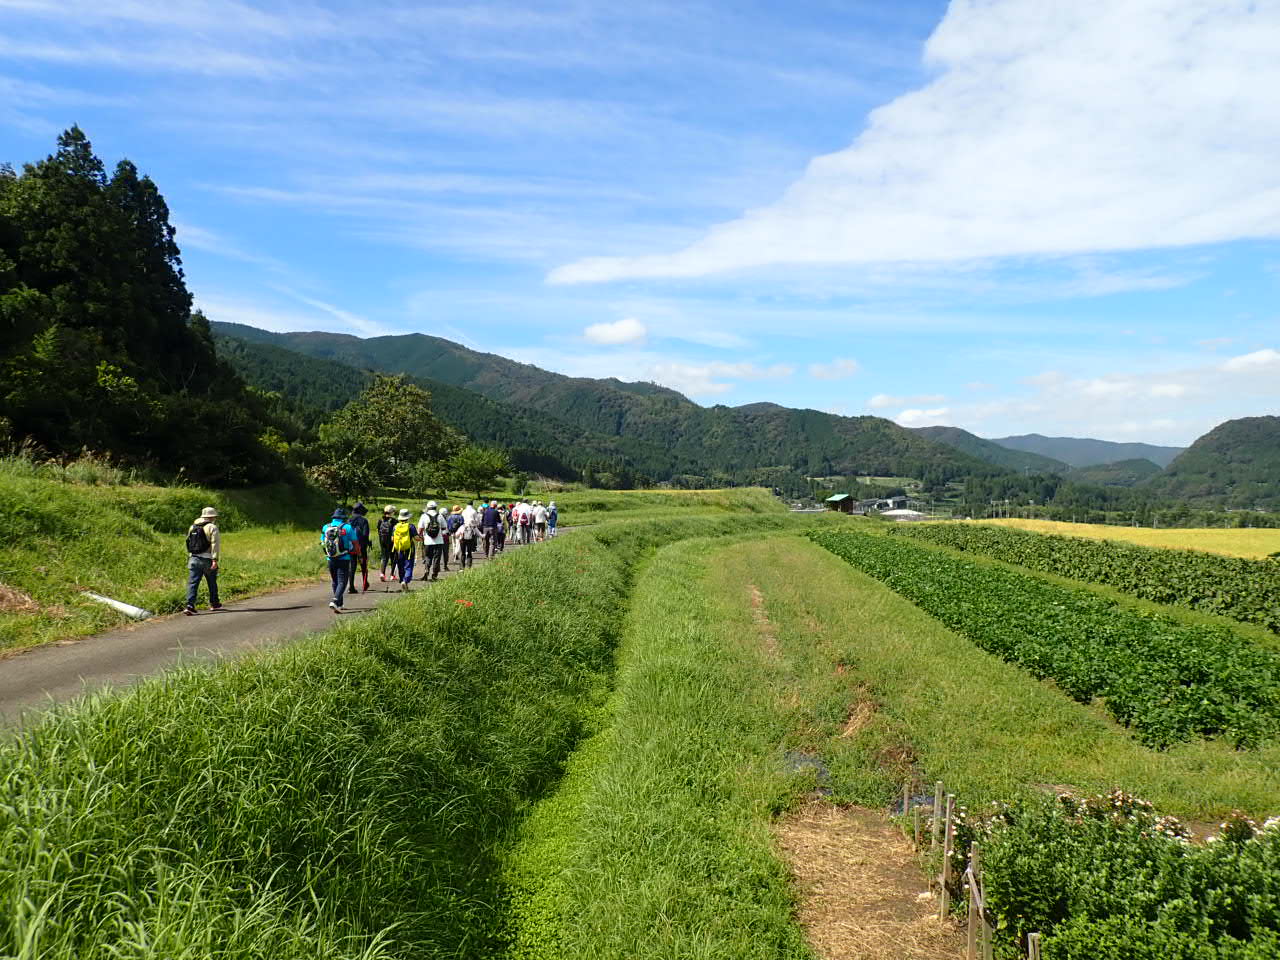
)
(1168, 681)
(1245, 590)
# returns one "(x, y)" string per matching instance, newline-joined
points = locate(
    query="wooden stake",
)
(915, 826)
(947, 837)
(906, 796)
(937, 814)
(1033, 946)
(971, 926)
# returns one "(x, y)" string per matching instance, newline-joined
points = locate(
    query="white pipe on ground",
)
(128, 609)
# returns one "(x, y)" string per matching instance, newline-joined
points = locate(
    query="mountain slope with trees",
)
(99, 349)
(993, 452)
(1236, 464)
(759, 443)
(1085, 452)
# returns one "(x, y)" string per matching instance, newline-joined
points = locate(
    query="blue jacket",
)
(490, 517)
(346, 536)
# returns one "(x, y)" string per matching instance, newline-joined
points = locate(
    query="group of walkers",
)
(438, 536)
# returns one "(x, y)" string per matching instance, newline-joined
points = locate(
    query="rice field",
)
(1250, 543)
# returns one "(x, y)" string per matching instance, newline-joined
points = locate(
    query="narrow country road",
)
(58, 672)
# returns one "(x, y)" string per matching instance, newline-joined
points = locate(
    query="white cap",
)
(431, 505)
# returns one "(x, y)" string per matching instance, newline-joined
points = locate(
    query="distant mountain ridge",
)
(1085, 452)
(992, 452)
(1122, 473)
(660, 432)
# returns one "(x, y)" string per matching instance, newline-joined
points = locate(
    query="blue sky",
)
(1007, 215)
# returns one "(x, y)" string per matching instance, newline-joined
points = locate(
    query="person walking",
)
(539, 521)
(552, 517)
(403, 539)
(360, 524)
(454, 523)
(385, 526)
(469, 534)
(338, 539)
(523, 520)
(433, 529)
(204, 542)
(490, 526)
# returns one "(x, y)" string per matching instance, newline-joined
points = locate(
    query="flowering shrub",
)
(1107, 877)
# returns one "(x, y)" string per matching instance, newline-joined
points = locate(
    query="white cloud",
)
(1171, 390)
(705, 379)
(841, 368)
(1250, 362)
(626, 330)
(882, 401)
(915, 417)
(1099, 125)
(354, 322)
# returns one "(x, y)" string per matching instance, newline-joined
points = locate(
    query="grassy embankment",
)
(67, 532)
(127, 542)
(347, 796)
(745, 671)
(1250, 543)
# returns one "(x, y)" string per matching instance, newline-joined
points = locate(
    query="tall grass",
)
(349, 796)
(59, 539)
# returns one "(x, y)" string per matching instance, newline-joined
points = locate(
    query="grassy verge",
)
(1167, 681)
(348, 796)
(127, 542)
(984, 726)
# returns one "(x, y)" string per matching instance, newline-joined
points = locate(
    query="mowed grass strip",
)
(658, 843)
(1250, 543)
(983, 726)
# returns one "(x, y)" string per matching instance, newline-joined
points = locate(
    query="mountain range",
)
(559, 425)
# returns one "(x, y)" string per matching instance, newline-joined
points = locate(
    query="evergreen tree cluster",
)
(99, 348)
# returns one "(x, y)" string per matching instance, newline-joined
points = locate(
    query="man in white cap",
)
(204, 542)
(431, 527)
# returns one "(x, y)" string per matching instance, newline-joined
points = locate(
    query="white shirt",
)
(539, 514)
(422, 527)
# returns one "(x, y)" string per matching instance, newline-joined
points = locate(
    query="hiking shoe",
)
(215, 606)
(382, 577)
(333, 605)
(189, 611)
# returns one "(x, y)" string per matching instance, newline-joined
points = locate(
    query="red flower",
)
(466, 603)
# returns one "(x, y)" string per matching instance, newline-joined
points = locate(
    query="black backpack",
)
(197, 539)
(385, 526)
(433, 525)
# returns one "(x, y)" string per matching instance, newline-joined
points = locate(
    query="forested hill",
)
(1085, 452)
(99, 349)
(762, 443)
(992, 452)
(1236, 464)
(312, 389)
(1122, 473)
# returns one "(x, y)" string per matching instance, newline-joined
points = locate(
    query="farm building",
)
(840, 501)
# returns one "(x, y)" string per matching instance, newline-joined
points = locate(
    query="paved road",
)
(59, 672)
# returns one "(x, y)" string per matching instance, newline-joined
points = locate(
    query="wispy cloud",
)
(628, 330)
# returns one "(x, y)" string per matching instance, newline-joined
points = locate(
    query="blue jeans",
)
(201, 568)
(403, 565)
(340, 574)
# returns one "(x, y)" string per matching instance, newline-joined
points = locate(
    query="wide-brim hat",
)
(404, 514)
(208, 513)
(456, 508)
(340, 514)
(388, 509)
(358, 508)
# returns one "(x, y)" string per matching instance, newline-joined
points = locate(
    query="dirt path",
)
(58, 672)
(862, 894)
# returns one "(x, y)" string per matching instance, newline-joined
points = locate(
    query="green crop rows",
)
(1167, 681)
(1245, 590)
